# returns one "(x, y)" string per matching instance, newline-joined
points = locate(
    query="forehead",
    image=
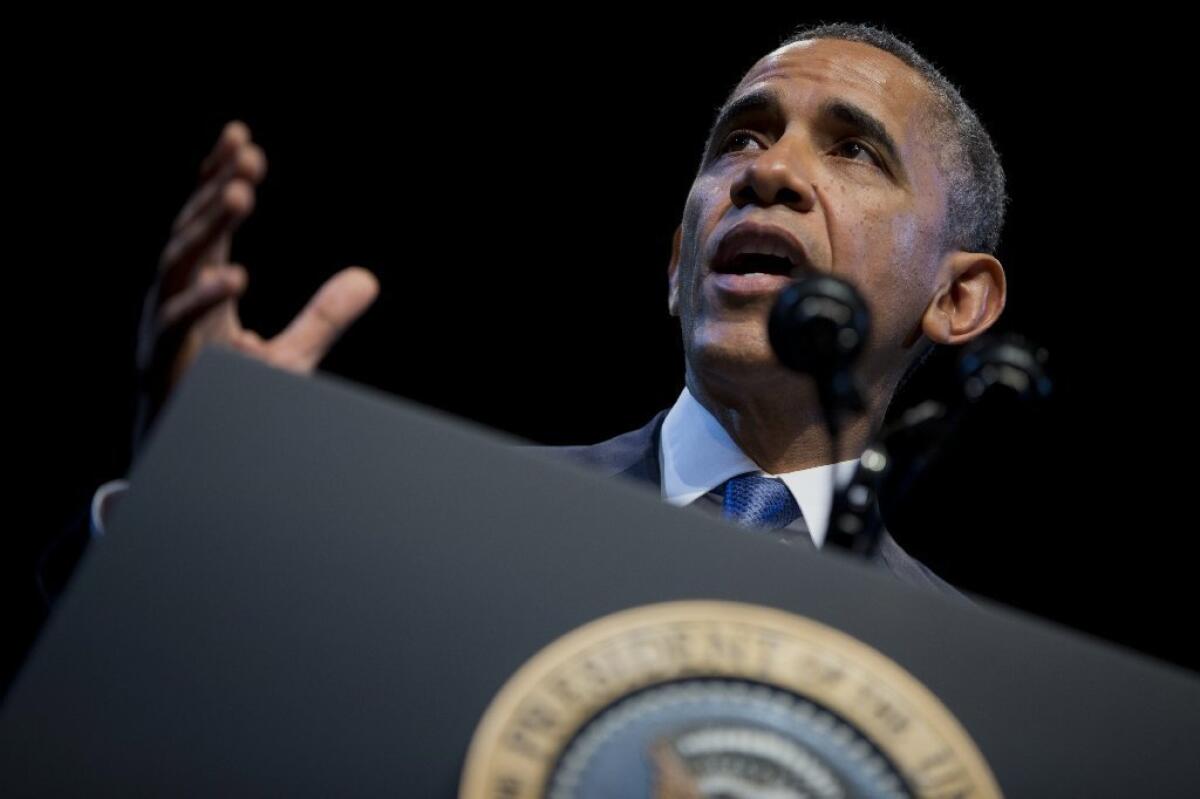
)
(815, 70)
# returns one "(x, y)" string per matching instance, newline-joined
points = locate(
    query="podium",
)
(314, 589)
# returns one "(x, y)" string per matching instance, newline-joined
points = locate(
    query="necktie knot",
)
(755, 500)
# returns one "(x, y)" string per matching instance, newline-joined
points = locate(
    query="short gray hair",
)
(976, 198)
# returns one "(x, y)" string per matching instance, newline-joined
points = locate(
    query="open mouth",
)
(751, 249)
(755, 263)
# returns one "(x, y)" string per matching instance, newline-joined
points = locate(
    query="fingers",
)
(165, 352)
(214, 286)
(206, 241)
(341, 300)
(202, 232)
(247, 163)
(232, 137)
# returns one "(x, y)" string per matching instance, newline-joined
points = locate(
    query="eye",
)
(738, 141)
(855, 150)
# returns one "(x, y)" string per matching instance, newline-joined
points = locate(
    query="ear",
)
(673, 273)
(969, 301)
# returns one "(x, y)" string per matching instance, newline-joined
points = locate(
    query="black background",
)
(514, 180)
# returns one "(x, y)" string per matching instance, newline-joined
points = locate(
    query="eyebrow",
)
(759, 101)
(765, 101)
(865, 124)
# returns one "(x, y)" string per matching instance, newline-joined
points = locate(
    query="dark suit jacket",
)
(634, 455)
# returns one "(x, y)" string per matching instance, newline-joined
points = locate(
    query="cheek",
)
(909, 242)
(886, 255)
(701, 213)
(705, 203)
(903, 281)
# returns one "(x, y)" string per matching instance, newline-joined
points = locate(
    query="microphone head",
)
(1005, 365)
(819, 325)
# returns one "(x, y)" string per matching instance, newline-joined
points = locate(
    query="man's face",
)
(819, 162)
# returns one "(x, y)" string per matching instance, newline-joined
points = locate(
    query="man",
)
(843, 152)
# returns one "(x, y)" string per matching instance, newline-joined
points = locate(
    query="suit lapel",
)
(646, 466)
(634, 455)
(890, 555)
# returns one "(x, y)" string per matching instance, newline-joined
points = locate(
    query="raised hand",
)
(193, 300)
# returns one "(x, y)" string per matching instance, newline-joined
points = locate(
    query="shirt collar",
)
(697, 454)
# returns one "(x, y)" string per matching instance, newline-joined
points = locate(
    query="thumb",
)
(340, 300)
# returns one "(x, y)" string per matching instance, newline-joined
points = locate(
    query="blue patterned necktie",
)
(754, 500)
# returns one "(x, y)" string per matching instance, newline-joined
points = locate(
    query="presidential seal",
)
(718, 699)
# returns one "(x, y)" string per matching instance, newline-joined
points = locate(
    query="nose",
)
(776, 177)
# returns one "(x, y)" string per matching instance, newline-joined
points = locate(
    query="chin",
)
(733, 350)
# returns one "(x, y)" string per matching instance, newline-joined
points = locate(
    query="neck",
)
(778, 423)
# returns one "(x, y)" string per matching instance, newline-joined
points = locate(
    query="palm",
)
(302, 345)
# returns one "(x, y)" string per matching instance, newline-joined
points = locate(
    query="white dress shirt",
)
(103, 500)
(697, 455)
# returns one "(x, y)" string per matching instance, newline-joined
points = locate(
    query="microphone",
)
(818, 327)
(1007, 366)
(994, 372)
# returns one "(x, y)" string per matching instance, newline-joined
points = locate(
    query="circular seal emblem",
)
(694, 699)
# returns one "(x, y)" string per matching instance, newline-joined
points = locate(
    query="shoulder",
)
(617, 455)
(914, 572)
